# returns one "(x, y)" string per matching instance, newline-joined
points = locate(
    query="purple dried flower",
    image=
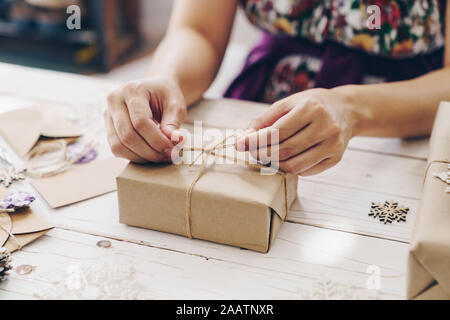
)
(82, 152)
(17, 200)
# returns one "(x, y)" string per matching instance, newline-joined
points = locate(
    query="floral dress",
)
(384, 30)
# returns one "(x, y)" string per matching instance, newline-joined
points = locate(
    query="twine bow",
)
(213, 151)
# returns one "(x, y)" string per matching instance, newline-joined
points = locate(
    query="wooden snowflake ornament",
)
(327, 289)
(10, 175)
(8, 172)
(388, 211)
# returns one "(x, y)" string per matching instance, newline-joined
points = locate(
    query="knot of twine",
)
(213, 151)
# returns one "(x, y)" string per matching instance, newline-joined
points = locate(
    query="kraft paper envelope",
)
(81, 182)
(231, 204)
(428, 273)
(25, 225)
(22, 128)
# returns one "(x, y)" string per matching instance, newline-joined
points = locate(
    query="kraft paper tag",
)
(25, 225)
(22, 128)
(81, 182)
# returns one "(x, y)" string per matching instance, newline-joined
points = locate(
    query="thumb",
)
(270, 116)
(171, 120)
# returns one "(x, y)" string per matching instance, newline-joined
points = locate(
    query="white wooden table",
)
(328, 235)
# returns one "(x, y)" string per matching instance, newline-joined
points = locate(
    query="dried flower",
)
(84, 153)
(17, 200)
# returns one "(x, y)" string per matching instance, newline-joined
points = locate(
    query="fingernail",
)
(176, 137)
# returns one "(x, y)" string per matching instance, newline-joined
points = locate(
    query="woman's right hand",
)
(142, 119)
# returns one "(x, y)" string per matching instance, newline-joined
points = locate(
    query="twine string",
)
(62, 164)
(12, 236)
(213, 151)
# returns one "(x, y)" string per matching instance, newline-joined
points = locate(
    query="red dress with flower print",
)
(385, 28)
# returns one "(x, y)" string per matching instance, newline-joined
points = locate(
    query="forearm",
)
(398, 109)
(189, 59)
(193, 48)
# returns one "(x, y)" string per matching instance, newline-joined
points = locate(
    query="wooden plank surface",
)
(302, 255)
(328, 234)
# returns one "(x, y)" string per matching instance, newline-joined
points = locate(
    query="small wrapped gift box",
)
(228, 203)
(428, 275)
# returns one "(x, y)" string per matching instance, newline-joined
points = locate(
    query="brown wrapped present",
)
(226, 203)
(428, 275)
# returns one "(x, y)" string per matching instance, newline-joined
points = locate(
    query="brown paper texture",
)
(22, 128)
(25, 225)
(81, 182)
(428, 274)
(231, 204)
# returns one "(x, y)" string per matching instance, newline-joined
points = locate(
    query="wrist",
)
(358, 114)
(166, 74)
(171, 82)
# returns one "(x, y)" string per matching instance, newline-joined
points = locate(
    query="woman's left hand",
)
(314, 129)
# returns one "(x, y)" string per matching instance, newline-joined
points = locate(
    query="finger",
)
(141, 119)
(172, 118)
(294, 121)
(306, 160)
(130, 138)
(322, 166)
(117, 148)
(178, 137)
(283, 129)
(268, 117)
(258, 139)
(312, 135)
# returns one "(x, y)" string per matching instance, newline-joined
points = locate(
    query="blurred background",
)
(116, 39)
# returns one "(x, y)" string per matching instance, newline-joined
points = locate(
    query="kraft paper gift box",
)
(428, 275)
(230, 204)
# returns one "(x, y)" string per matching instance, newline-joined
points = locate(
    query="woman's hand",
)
(142, 118)
(314, 126)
